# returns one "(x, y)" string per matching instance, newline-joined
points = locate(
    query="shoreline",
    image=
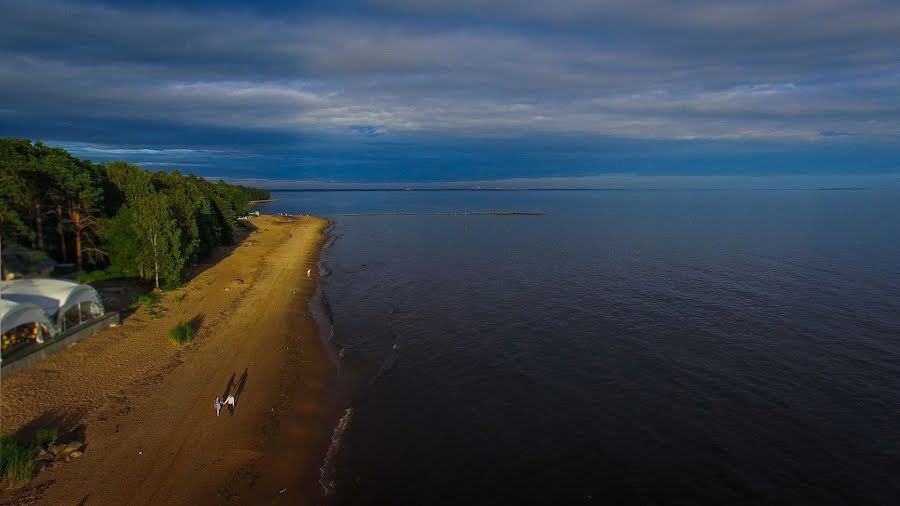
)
(263, 201)
(143, 407)
(293, 449)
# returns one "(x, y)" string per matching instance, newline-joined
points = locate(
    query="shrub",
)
(100, 275)
(16, 461)
(149, 299)
(181, 333)
(173, 284)
(45, 436)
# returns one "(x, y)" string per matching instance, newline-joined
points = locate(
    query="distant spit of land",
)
(474, 213)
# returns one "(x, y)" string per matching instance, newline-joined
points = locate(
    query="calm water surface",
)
(733, 347)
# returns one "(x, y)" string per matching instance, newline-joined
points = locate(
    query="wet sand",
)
(145, 407)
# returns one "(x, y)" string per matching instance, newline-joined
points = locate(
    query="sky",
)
(562, 92)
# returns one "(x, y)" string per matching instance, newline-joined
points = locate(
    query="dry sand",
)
(145, 407)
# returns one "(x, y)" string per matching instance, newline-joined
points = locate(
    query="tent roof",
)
(51, 295)
(12, 315)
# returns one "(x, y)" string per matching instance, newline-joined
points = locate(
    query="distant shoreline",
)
(472, 213)
(263, 201)
(589, 190)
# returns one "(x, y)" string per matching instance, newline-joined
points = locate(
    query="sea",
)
(612, 347)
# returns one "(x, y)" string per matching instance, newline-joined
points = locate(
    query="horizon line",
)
(399, 189)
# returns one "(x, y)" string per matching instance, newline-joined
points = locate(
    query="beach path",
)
(145, 407)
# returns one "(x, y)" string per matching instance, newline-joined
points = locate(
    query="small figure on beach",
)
(230, 403)
(218, 405)
(309, 272)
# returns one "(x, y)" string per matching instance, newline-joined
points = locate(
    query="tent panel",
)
(13, 315)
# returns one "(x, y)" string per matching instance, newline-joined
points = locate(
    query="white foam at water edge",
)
(328, 470)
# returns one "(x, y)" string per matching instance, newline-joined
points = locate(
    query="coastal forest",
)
(115, 218)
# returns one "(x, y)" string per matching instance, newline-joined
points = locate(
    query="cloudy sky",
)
(428, 90)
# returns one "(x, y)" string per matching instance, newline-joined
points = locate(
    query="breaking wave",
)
(328, 480)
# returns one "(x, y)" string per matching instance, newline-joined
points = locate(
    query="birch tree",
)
(158, 230)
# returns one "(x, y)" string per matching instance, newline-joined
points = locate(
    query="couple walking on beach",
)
(229, 395)
(229, 401)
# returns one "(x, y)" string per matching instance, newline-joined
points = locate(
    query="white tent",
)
(54, 296)
(12, 315)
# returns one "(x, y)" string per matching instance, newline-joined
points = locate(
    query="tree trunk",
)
(75, 215)
(155, 262)
(39, 224)
(62, 235)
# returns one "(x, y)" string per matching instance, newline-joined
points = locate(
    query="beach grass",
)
(156, 311)
(151, 304)
(181, 333)
(173, 285)
(147, 300)
(45, 436)
(98, 275)
(16, 461)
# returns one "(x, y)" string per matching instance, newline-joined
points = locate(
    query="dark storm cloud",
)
(796, 72)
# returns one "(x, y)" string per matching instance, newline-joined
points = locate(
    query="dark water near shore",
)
(733, 347)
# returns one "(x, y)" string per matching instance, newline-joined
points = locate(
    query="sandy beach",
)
(144, 407)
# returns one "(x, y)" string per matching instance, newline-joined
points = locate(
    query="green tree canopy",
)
(115, 215)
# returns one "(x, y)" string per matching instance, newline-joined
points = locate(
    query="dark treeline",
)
(114, 216)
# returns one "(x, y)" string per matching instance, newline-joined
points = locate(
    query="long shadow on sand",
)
(197, 322)
(229, 386)
(68, 425)
(238, 387)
